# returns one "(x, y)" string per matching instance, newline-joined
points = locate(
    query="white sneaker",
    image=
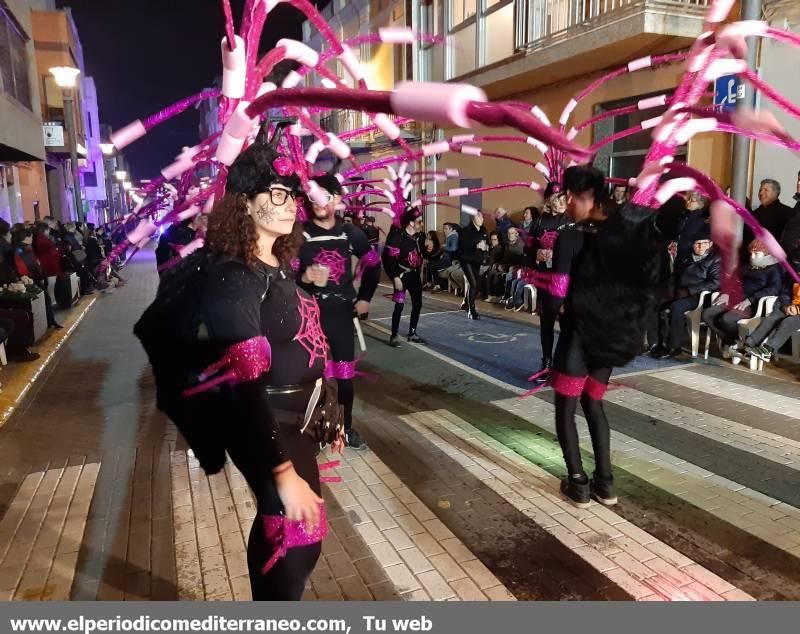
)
(728, 352)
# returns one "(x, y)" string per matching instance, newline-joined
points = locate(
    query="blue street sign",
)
(727, 91)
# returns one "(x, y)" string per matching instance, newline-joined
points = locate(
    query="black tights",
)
(550, 307)
(337, 324)
(413, 284)
(570, 363)
(471, 275)
(286, 580)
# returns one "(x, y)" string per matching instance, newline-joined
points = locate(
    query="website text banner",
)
(398, 618)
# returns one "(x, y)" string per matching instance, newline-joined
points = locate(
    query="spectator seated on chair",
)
(432, 251)
(762, 278)
(439, 272)
(28, 265)
(700, 272)
(495, 273)
(780, 325)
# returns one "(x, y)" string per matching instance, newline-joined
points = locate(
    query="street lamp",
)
(66, 77)
(121, 175)
(107, 148)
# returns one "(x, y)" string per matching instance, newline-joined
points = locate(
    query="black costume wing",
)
(170, 331)
(613, 285)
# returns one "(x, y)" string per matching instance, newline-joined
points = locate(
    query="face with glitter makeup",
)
(273, 211)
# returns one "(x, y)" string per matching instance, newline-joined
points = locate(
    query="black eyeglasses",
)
(279, 196)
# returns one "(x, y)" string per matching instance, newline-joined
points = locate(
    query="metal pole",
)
(751, 10)
(69, 119)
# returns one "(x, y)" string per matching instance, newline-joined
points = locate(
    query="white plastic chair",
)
(695, 321)
(529, 297)
(746, 326)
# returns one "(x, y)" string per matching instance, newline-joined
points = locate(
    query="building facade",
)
(540, 52)
(23, 188)
(57, 44)
(778, 66)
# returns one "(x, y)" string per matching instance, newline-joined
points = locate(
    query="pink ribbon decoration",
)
(242, 362)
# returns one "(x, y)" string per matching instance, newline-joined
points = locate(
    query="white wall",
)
(779, 67)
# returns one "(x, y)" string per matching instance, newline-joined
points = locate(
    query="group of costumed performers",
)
(251, 334)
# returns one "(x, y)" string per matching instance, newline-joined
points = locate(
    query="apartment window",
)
(624, 158)
(498, 31)
(14, 61)
(461, 11)
(90, 178)
(462, 53)
(431, 17)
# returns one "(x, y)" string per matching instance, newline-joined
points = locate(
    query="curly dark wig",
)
(231, 231)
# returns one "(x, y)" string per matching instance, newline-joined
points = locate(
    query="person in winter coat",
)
(28, 265)
(473, 244)
(46, 250)
(700, 272)
(761, 279)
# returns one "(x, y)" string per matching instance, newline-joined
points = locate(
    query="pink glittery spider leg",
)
(334, 261)
(310, 335)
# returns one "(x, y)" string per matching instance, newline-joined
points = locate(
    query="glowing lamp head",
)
(107, 148)
(121, 175)
(65, 76)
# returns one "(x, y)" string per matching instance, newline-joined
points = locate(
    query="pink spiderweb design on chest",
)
(548, 239)
(310, 335)
(334, 261)
(414, 260)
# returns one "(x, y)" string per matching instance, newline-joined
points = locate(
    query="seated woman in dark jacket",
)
(700, 272)
(761, 279)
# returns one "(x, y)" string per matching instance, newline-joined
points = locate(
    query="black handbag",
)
(324, 421)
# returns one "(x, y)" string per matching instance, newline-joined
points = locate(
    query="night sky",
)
(146, 54)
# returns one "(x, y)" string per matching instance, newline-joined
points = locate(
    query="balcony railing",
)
(549, 21)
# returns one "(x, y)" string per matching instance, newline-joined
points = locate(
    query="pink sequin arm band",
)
(242, 362)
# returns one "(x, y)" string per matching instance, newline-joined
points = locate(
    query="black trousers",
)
(724, 322)
(570, 361)
(286, 580)
(337, 324)
(777, 328)
(550, 308)
(472, 276)
(413, 284)
(677, 320)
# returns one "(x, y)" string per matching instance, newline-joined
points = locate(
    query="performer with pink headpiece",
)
(220, 320)
(326, 271)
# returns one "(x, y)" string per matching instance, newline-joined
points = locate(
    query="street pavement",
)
(455, 498)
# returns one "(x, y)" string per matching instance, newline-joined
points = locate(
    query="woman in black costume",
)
(248, 311)
(608, 270)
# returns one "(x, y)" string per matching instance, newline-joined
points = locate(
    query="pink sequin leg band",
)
(242, 362)
(567, 385)
(594, 389)
(284, 534)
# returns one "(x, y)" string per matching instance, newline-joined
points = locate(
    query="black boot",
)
(464, 305)
(544, 371)
(577, 489)
(473, 314)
